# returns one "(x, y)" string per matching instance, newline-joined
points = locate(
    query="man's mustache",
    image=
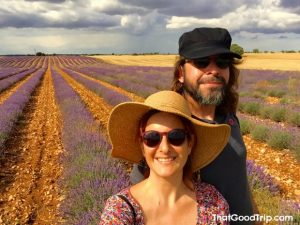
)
(209, 79)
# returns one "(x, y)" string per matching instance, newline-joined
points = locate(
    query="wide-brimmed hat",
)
(123, 127)
(205, 41)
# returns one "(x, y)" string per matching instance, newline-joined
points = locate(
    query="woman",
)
(162, 132)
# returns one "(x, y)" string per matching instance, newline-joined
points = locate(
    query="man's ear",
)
(181, 74)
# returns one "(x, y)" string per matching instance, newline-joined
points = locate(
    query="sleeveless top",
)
(209, 204)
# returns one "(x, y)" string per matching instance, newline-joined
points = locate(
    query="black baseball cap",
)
(205, 41)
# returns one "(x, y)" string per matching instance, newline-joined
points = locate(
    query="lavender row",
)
(261, 100)
(6, 83)
(5, 72)
(274, 112)
(280, 84)
(140, 80)
(259, 179)
(12, 108)
(90, 176)
(110, 96)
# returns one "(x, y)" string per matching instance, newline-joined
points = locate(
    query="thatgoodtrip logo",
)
(254, 217)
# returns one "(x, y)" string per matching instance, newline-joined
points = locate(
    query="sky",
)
(142, 26)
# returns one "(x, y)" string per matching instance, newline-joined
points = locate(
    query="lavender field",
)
(269, 112)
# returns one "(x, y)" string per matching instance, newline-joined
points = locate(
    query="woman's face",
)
(166, 159)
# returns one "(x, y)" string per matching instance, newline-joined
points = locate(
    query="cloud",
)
(265, 18)
(50, 1)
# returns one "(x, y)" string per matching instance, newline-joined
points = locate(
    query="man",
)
(206, 76)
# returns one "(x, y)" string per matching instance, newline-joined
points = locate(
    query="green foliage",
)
(293, 86)
(40, 54)
(267, 203)
(265, 112)
(276, 93)
(245, 126)
(262, 86)
(260, 132)
(294, 118)
(280, 139)
(237, 49)
(252, 108)
(278, 114)
(256, 50)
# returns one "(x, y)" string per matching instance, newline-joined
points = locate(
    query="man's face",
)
(205, 85)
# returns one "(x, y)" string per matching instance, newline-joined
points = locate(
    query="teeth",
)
(165, 159)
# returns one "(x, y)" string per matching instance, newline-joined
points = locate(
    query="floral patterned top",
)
(210, 203)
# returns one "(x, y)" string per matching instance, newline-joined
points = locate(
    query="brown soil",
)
(99, 108)
(30, 168)
(281, 165)
(132, 96)
(9, 91)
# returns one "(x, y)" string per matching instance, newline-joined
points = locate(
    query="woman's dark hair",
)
(188, 126)
(230, 100)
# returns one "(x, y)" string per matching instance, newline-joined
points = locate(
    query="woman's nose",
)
(164, 145)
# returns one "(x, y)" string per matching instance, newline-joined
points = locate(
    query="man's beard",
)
(214, 97)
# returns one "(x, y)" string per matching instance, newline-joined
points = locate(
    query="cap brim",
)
(208, 51)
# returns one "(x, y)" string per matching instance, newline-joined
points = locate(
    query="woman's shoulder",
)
(207, 194)
(117, 210)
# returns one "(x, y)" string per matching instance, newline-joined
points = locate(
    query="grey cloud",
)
(192, 8)
(49, 1)
(123, 10)
(282, 37)
(27, 20)
(290, 3)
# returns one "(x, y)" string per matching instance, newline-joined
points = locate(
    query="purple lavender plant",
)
(259, 179)
(12, 108)
(90, 175)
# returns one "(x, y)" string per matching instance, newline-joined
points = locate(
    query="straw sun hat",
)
(123, 127)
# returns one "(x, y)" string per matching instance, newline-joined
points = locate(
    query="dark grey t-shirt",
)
(228, 172)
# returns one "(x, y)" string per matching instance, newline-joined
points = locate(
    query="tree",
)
(256, 50)
(40, 54)
(237, 49)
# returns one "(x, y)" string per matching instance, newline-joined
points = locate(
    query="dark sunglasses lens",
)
(223, 63)
(176, 137)
(151, 138)
(201, 63)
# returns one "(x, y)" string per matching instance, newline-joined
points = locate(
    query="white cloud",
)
(267, 16)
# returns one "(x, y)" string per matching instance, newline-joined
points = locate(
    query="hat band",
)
(204, 46)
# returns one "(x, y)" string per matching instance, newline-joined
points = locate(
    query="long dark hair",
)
(230, 101)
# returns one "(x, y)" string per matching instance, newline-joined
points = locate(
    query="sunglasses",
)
(221, 62)
(153, 138)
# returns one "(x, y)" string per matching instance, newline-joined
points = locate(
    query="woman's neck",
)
(166, 190)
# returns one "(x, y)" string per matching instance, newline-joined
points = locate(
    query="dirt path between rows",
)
(9, 91)
(281, 165)
(30, 193)
(132, 96)
(97, 105)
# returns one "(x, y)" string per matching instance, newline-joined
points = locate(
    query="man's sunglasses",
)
(153, 138)
(221, 62)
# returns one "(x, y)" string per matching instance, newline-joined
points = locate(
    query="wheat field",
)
(266, 61)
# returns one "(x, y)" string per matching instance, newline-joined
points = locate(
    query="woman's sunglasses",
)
(222, 62)
(175, 137)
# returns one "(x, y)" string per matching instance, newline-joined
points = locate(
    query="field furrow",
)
(96, 105)
(130, 95)
(281, 165)
(32, 195)
(12, 89)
